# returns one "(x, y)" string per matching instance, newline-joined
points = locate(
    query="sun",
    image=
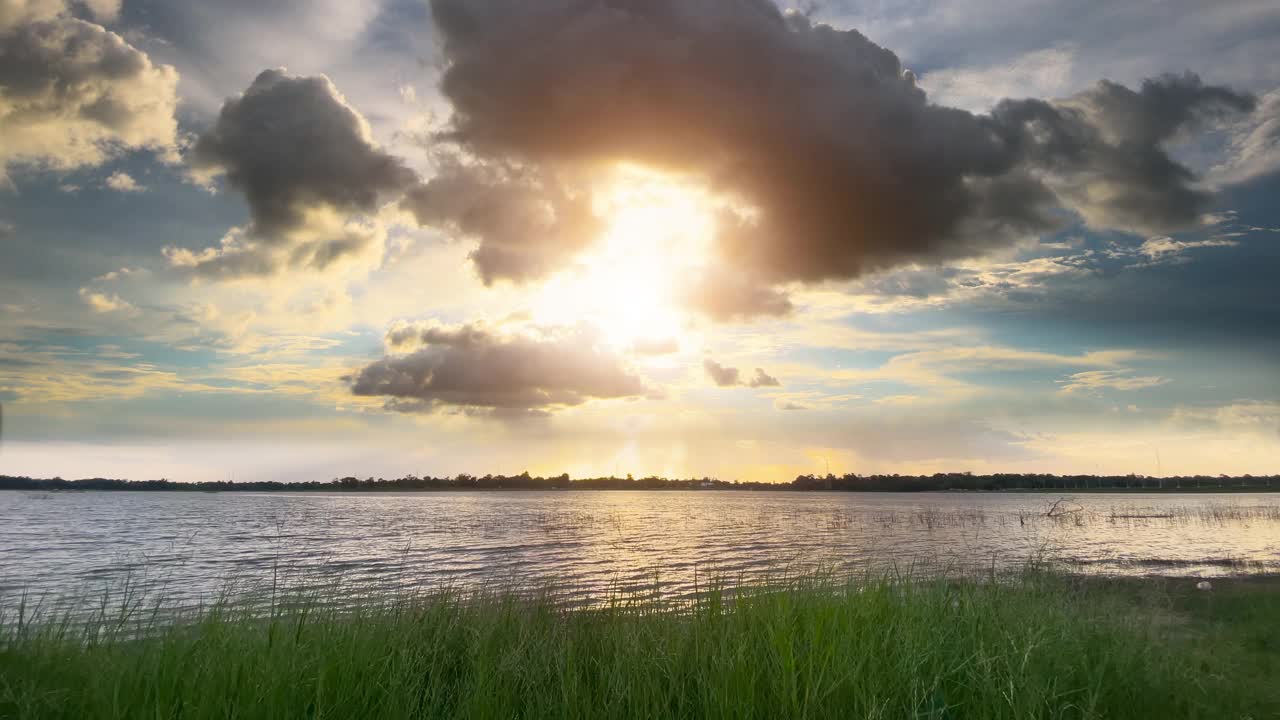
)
(628, 283)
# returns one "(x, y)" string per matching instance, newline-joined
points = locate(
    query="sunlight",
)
(627, 284)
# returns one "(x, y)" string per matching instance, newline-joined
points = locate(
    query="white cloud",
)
(1250, 416)
(101, 302)
(1161, 247)
(1046, 73)
(121, 181)
(1092, 382)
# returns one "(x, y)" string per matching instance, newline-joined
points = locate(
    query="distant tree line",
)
(525, 481)
(1028, 481)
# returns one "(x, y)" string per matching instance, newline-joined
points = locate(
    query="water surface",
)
(189, 545)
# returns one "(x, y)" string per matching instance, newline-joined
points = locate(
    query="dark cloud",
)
(527, 225)
(475, 370)
(730, 377)
(293, 143)
(73, 94)
(1103, 150)
(1159, 110)
(1209, 289)
(306, 163)
(822, 132)
(414, 334)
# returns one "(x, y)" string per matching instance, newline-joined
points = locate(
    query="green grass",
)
(1037, 646)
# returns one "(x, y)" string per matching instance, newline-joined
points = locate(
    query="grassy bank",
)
(1038, 646)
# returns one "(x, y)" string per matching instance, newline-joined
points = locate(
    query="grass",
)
(1036, 646)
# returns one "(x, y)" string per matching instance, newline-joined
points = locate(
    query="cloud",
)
(307, 165)
(527, 224)
(411, 336)
(322, 240)
(367, 48)
(1094, 381)
(1254, 147)
(726, 296)
(73, 94)
(841, 163)
(721, 375)
(948, 373)
(976, 282)
(763, 379)
(21, 12)
(1164, 247)
(291, 143)
(103, 11)
(101, 302)
(1241, 416)
(1163, 250)
(471, 368)
(730, 377)
(1104, 149)
(121, 181)
(1046, 72)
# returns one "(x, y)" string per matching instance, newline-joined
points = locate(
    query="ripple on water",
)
(193, 545)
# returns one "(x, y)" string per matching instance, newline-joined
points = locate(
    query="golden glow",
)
(628, 283)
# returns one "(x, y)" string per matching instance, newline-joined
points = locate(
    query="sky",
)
(303, 239)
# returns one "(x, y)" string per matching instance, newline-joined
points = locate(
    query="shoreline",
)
(1226, 490)
(939, 482)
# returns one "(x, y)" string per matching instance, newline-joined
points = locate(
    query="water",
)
(188, 546)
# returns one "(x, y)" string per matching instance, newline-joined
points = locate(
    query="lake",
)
(189, 546)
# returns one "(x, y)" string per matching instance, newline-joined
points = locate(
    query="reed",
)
(1034, 644)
